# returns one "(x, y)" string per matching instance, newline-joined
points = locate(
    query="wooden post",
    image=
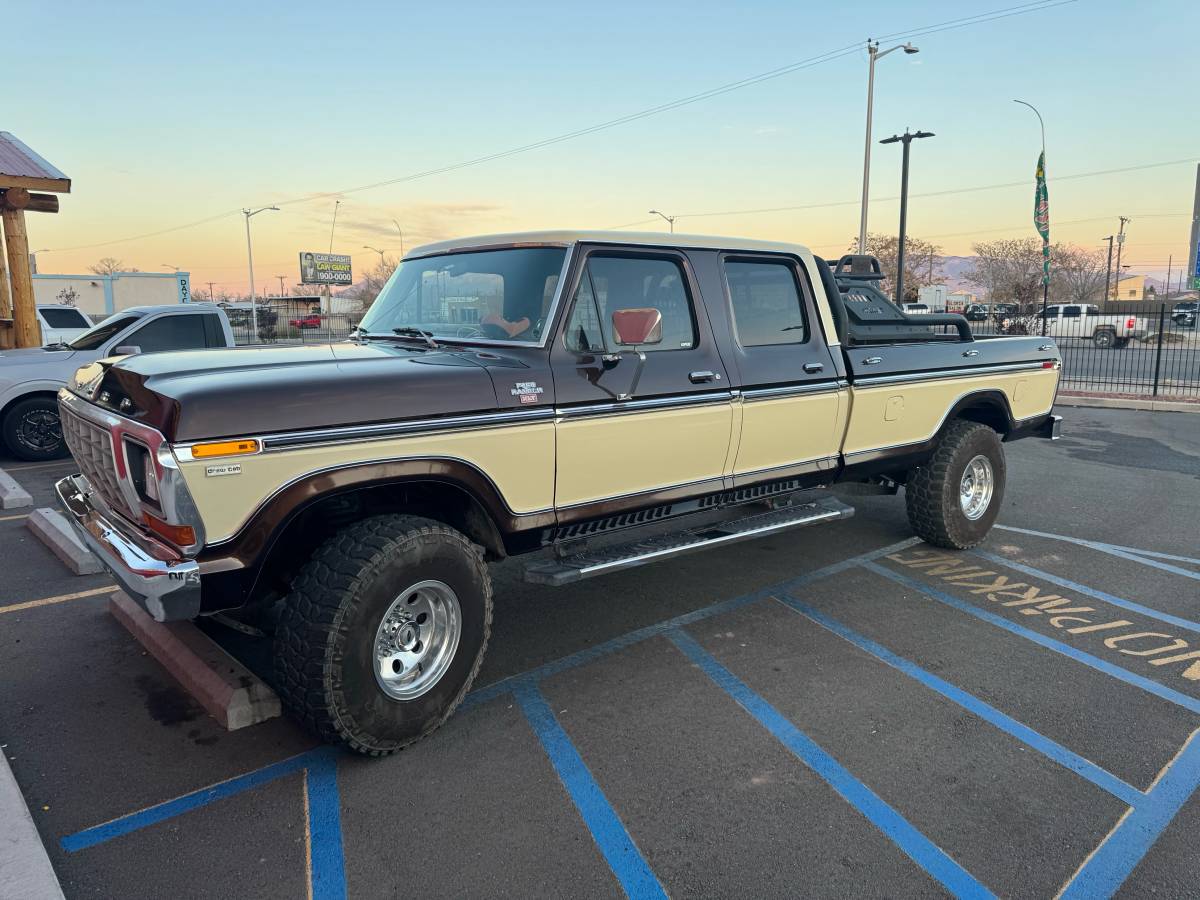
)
(26, 332)
(6, 330)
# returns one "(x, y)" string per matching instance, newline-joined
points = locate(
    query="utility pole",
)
(1120, 244)
(1108, 270)
(874, 53)
(210, 292)
(907, 139)
(280, 277)
(1167, 289)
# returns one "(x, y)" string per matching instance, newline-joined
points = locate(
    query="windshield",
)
(493, 295)
(94, 337)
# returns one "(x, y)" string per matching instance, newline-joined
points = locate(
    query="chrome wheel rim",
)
(975, 490)
(416, 640)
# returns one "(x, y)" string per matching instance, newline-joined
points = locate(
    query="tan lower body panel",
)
(788, 430)
(612, 456)
(519, 459)
(911, 412)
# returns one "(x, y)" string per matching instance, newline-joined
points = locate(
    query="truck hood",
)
(203, 394)
(32, 356)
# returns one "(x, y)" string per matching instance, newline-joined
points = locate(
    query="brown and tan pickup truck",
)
(610, 399)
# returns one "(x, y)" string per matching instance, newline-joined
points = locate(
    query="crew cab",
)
(544, 395)
(1076, 320)
(31, 378)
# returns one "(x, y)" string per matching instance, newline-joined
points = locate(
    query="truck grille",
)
(92, 448)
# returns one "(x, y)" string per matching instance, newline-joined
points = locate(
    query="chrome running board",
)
(569, 569)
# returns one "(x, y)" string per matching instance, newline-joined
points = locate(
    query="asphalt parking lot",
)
(832, 712)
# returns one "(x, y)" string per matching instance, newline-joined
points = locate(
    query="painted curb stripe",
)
(328, 872)
(607, 830)
(926, 854)
(1145, 557)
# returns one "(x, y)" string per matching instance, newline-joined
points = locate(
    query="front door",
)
(624, 438)
(793, 405)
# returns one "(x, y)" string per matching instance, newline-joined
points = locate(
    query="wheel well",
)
(32, 395)
(299, 538)
(988, 410)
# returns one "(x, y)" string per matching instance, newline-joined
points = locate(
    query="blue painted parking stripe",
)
(926, 854)
(1146, 684)
(1088, 591)
(328, 875)
(1068, 759)
(506, 685)
(607, 830)
(1145, 557)
(1107, 867)
(160, 812)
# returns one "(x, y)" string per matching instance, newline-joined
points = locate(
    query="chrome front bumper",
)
(167, 587)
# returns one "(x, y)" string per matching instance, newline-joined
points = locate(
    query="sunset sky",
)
(166, 114)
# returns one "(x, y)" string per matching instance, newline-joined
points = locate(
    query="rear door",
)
(621, 445)
(793, 403)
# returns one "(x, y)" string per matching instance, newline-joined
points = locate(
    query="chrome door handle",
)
(872, 360)
(813, 368)
(702, 377)
(970, 353)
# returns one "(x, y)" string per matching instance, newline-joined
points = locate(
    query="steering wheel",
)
(469, 331)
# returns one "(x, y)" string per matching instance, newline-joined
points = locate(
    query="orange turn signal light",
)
(224, 448)
(179, 535)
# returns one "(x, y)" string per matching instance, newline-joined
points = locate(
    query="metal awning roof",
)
(22, 167)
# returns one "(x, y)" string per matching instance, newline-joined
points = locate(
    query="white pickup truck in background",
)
(1076, 320)
(61, 324)
(31, 378)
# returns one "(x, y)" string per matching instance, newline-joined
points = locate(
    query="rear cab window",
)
(766, 303)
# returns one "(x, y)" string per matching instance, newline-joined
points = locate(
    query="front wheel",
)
(32, 430)
(383, 632)
(954, 498)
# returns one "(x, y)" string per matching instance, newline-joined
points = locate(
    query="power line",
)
(819, 59)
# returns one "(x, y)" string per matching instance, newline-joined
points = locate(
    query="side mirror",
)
(635, 327)
(127, 350)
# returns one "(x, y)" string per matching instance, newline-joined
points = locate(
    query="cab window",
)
(767, 308)
(1070, 312)
(171, 332)
(610, 283)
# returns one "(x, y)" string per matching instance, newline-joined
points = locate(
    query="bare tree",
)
(110, 265)
(1009, 271)
(922, 262)
(374, 281)
(1076, 275)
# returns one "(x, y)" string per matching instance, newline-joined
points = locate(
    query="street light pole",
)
(670, 219)
(875, 54)
(1107, 271)
(249, 213)
(401, 233)
(1120, 244)
(907, 139)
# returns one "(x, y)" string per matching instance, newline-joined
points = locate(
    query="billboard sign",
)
(325, 268)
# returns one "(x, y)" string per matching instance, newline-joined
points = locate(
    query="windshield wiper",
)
(409, 331)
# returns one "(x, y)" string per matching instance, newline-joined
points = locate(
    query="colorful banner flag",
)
(1041, 215)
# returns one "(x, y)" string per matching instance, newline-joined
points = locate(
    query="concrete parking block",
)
(25, 870)
(229, 691)
(56, 533)
(12, 495)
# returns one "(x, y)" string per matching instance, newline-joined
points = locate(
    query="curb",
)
(25, 870)
(1127, 403)
(231, 693)
(55, 532)
(12, 495)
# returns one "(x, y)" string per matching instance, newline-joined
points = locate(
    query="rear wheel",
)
(383, 632)
(1105, 339)
(954, 498)
(32, 430)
